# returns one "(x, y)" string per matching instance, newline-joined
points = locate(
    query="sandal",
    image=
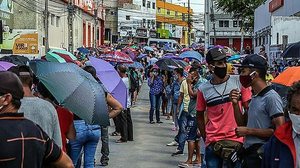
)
(115, 134)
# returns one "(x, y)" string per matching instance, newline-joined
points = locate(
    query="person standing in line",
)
(213, 99)
(23, 143)
(124, 118)
(36, 109)
(265, 112)
(156, 85)
(283, 148)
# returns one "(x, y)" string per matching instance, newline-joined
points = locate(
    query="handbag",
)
(224, 148)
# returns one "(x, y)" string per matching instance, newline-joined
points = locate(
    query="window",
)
(153, 5)
(57, 21)
(168, 12)
(144, 3)
(224, 23)
(235, 23)
(148, 4)
(127, 17)
(52, 19)
(158, 10)
(144, 23)
(148, 23)
(176, 14)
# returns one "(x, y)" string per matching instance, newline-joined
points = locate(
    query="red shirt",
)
(65, 118)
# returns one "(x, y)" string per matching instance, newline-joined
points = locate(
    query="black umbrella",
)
(167, 64)
(293, 51)
(282, 91)
(15, 59)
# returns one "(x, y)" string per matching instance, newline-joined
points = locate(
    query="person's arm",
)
(180, 99)
(192, 94)
(257, 132)
(71, 134)
(64, 161)
(240, 118)
(201, 124)
(116, 106)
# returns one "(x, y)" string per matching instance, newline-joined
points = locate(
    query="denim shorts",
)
(192, 129)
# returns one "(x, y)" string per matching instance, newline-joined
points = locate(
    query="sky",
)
(196, 5)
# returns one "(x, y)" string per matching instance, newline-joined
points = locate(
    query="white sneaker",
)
(173, 144)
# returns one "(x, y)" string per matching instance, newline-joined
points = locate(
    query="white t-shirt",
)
(126, 81)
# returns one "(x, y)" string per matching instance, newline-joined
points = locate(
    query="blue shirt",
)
(175, 91)
(157, 86)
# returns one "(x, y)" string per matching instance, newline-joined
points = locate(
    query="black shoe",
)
(104, 164)
(177, 153)
(159, 122)
(152, 122)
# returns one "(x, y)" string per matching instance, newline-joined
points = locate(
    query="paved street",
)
(149, 148)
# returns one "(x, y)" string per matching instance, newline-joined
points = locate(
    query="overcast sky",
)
(196, 5)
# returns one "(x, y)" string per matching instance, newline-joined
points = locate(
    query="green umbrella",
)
(60, 56)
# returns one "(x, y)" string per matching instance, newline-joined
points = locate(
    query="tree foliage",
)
(240, 9)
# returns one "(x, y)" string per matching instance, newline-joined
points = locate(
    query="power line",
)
(26, 7)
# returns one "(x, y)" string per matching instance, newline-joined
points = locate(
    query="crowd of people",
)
(227, 120)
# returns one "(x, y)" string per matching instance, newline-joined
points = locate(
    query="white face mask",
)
(1, 107)
(295, 122)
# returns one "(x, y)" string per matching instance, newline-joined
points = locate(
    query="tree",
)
(240, 9)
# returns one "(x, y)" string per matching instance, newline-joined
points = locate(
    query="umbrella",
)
(182, 63)
(61, 56)
(142, 55)
(131, 52)
(293, 51)
(4, 66)
(234, 57)
(282, 91)
(15, 59)
(83, 50)
(153, 61)
(171, 56)
(110, 79)
(148, 48)
(135, 65)
(117, 56)
(164, 64)
(288, 76)
(191, 55)
(74, 89)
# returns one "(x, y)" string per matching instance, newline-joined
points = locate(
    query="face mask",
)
(295, 122)
(1, 107)
(220, 71)
(246, 80)
(155, 73)
(175, 77)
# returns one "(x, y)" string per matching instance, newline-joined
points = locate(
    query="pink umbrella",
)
(117, 56)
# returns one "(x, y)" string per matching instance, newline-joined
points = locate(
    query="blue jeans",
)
(87, 137)
(182, 133)
(155, 101)
(175, 116)
(214, 161)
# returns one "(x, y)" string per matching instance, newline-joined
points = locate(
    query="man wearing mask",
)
(213, 98)
(265, 112)
(283, 149)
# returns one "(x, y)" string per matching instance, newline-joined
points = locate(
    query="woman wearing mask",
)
(156, 85)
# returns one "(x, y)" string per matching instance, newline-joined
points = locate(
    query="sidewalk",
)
(148, 150)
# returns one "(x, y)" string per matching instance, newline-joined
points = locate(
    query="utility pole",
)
(207, 23)
(189, 22)
(213, 19)
(96, 22)
(46, 22)
(70, 25)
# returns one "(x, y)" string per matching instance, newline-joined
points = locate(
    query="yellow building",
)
(172, 21)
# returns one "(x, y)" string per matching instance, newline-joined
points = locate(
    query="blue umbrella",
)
(142, 55)
(83, 50)
(148, 48)
(135, 65)
(234, 57)
(74, 89)
(192, 55)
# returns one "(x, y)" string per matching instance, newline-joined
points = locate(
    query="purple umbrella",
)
(4, 66)
(110, 79)
(172, 56)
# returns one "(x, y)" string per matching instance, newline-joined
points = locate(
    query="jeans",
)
(182, 133)
(214, 161)
(87, 137)
(105, 147)
(175, 116)
(155, 101)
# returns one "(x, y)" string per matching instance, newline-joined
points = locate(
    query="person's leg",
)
(152, 107)
(117, 124)
(191, 148)
(124, 135)
(212, 160)
(105, 146)
(129, 125)
(163, 105)
(77, 144)
(175, 116)
(91, 146)
(157, 104)
(198, 155)
(169, 107)
(182, 131)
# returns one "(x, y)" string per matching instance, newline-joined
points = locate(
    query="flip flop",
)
(115, 134)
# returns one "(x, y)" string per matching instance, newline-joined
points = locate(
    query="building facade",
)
(136, 20)
(275, 26)
(172, 21)
(24, 29)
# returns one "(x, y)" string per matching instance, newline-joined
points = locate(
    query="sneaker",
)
(159, 122)
(185, 165)
(172, 144)
(174, 129)
(177, 153)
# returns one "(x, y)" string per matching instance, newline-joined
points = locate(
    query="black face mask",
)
(220, 72)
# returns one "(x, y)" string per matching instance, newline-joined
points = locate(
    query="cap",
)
(21, 70)
(254, 61)
(10, 83)
(215, 54)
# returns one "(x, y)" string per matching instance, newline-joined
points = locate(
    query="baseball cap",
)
(254, 61)
(10, 83)
(215, 54)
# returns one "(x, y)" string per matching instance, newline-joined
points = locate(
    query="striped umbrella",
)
(61, 56)
(117, 56)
